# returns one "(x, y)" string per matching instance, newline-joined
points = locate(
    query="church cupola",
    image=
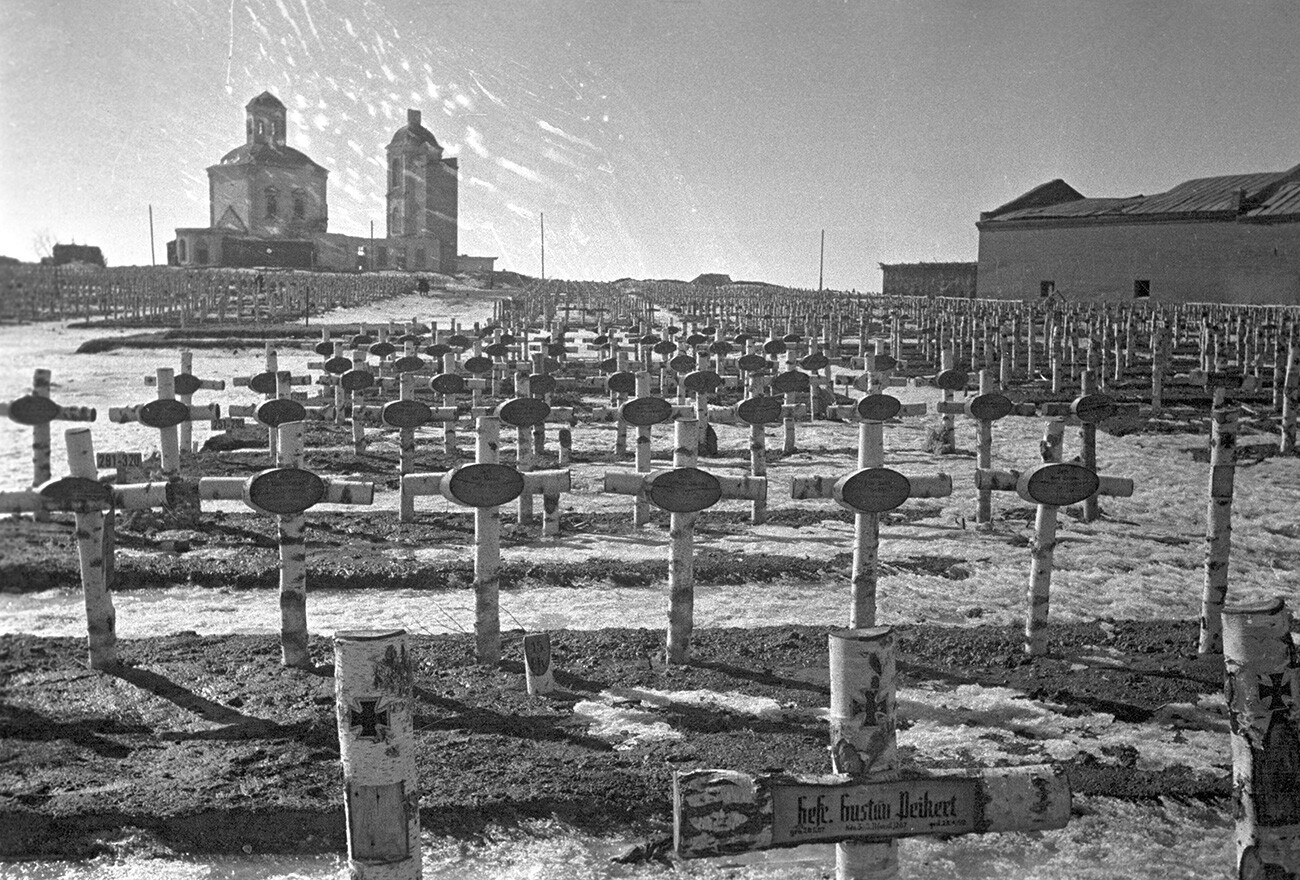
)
(265, 120)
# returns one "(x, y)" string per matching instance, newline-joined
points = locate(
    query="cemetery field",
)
(204, 742)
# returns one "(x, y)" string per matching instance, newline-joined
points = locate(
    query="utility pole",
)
(371, 253)
(153, 259)
(821, 262)
(543, 245)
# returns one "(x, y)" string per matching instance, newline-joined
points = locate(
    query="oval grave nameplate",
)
(33, 410)
(280, 411)
(752, 363)
(406, 413)
(263, 383)
(702, 382)
(872, 490)
(683, 363)
(879, 407)
(1093, 408)
(524, 412)
(1057, 485)
(989, 407)
(459, 342)
(684, 490)
(479, 365)
(338, 366)
(438, 350)
(482, 485)
(555, 349)
(184, 384)
(496, 350)
(284, 491)
(648, 339)
(382, 349)
(548, 365)
(73, 492)
(791, 338)
(621, 383)
(541, 383)
(883, 363)
(361, 339)
(507, 339)
(764, 410)
(741, 339)
(664, 347)
(448, 383)
(164, 413)
(608, 365)
(951, 380)
(721, 348)
(673, 329)
(696, 339)
(599, 341)
(645, 411)
(774, 346)
(324, 349)
(790, 381)
(408, 364)
(357, 380)
(409, 337)
(815, 362)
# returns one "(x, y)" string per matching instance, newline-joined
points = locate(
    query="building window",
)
(261, 128)
(1046, 289)
(299, 206)
(201, 253)
(271, 207)
(395, 173)
(1142, 288)
(419, 258)
(180, 249)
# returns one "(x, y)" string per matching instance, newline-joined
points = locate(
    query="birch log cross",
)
(642, 412)
(683, 491)
(268, 384)
(863, 804)
(166, 414)
(1218, 527)
(868, 492)
(184, 384)
(93, 504)
(985, 408)
(757, 412)
(1050, 485)
(36, 410)
(485, 486)
(288, 492)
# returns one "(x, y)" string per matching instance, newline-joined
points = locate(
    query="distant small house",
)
(928, 279)
(65, 254)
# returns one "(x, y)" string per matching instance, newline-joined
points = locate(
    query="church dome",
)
(266, 99)
(414, 132)
(268, 154)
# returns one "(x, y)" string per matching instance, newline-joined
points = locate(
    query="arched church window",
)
(261, 128)
(272, 209)
(395, 173)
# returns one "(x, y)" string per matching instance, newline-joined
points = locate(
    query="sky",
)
(659, 138)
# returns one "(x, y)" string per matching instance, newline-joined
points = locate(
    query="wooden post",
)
(96, 564)
(640, 505)
(1218, 528)
(487, 554)
(1088, 432)
(1290, 400)
(373, 686)
(681, 561)
(41, 440)
(1262, 687)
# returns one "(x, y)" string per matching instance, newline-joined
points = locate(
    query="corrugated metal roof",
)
(1284, 202)
(1076, 208)
(1204, 195)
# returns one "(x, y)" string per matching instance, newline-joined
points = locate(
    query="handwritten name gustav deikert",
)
(817, 811)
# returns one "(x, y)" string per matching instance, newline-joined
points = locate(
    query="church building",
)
(1231, 239)
(269, 205)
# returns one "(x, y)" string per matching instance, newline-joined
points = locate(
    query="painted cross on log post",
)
(93, 503)
(868, 492)
(166, 414)
(864, 806)
(287, 492)
(683, 491)
(485, 486)
(36, 410)
(1050, 485)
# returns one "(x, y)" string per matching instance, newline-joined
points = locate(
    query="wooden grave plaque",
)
(989, 407)
(684, 490)
(164, 413)
(645, 411)
(790, 381)
(872, 490)
(357, 380)
(651, 339)
(883, 363)
(742, 339)
(284, 491)
(683, 363)
(608, 365)
(721, 348)
(186, 383)
(664, 347)
(1057, 485)
(480, 365)
(599, 341)
(555, 349)
(696, 339)
(448, 383)
(263, 383)
(1093, 408)
(482, 485)
(338, 365)
(541, 383)
(753, 363)
(382, 349)
(523, 412)
(77, 494)
(362, 339)
(32, 410)
(765, 410)
(702, 382)
(406, 413)
(438, 350)
(792, 338)
(324, 349)
(951, 380)
(774, 347)
(408, 364)
(280, 411)
(495, 350)
(621, 383)
(459, 342)
(879, 407)
(815, 362)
